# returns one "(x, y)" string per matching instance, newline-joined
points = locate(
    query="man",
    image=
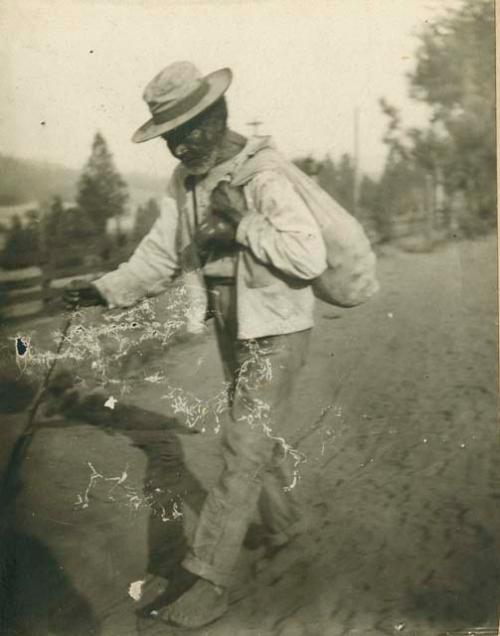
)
(234, 223)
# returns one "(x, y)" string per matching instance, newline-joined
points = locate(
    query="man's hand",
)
(215, 233)
(82, 293)
(228, 202)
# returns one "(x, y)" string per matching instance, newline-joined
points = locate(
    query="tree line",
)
(440, 179)
(62, 234)
(443, 175)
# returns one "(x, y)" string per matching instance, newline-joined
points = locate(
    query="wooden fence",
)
(28, 292)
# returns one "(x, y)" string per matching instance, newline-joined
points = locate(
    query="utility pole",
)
(254, 125)
(355, 185)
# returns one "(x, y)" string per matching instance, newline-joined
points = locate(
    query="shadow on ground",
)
(37, 595)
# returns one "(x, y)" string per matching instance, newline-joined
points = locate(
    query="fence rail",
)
(29, 292)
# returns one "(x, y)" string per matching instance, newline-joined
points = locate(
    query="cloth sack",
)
(350, 278)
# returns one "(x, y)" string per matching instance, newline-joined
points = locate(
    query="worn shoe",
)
(203, 604)
(159, 594)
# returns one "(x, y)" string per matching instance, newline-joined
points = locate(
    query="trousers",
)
(259, 464)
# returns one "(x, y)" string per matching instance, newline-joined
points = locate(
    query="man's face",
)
(196, 143)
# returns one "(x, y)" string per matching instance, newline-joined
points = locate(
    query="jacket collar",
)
(228, 169)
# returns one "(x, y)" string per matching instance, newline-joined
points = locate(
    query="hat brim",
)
(218, 82)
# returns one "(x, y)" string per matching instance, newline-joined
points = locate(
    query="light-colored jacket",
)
(284, 248)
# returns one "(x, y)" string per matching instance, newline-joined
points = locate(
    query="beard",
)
(203, 164)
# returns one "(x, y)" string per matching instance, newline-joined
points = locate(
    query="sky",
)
(72, 67)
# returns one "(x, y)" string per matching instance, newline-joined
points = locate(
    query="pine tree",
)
(22, 245)
(101, 190)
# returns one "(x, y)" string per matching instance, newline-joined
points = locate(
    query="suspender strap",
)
(191, 187)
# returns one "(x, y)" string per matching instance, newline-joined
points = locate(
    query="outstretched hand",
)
(81, 293)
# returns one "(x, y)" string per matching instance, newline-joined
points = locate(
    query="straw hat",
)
(177, 94)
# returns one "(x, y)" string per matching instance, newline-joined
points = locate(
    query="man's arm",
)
(280, 229)
(152, 266)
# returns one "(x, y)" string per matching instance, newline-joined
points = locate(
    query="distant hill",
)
(23, 181)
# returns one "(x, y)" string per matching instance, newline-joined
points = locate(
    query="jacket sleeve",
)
(280, 230)
(153, 265)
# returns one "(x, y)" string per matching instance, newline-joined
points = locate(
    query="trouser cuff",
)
(206, 571)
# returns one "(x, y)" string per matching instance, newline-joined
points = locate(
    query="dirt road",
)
(396, 419)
